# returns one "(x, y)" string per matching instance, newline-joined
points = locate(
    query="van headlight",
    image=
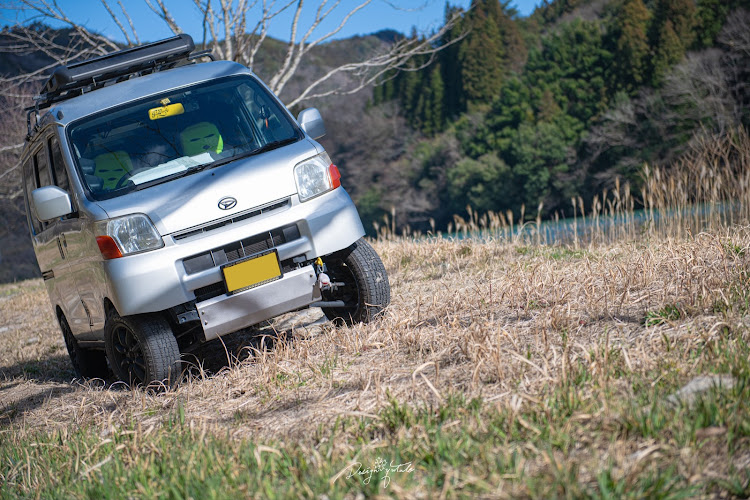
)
(127, 235)
(315, 176)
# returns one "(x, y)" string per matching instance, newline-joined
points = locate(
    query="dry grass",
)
(492, 320)
(499, 321)
(552, 363)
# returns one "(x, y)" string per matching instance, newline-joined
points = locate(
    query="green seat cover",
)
(111, 167)
(201, 137)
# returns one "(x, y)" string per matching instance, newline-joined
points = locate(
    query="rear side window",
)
(31, 182)
(37, 174)
(40, 159)
(58, 165)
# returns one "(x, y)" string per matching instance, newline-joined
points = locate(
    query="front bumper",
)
(158, 280)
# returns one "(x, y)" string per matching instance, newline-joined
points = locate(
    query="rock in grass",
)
(698, 386)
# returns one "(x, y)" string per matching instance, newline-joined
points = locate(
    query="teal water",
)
(565, 231)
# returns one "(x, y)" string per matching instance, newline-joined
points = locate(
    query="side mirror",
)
(51, 202)
(312, 123)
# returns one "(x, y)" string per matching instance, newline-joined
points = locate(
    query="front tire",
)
(87, 363)
(365, 291)
(142, 350)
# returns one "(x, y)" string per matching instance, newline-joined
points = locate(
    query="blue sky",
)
(424, 14)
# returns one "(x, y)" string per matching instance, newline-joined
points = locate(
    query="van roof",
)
(137, 88)
(116, 94)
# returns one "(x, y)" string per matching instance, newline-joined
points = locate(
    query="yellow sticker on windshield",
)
(165, 111)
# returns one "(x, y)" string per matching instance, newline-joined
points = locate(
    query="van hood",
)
(194, 200)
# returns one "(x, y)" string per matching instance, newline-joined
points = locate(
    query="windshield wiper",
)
(170, 177)
(262, 149)
(273, 145)
(267, 147)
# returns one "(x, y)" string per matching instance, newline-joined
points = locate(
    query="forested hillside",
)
(529, 111)
(514, 113)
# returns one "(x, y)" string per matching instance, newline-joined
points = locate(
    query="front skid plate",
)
(226, 314)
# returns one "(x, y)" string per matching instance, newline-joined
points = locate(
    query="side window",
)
(43, 175)
(30, 179)
(42, 168)
(58, 165)
(265, 115)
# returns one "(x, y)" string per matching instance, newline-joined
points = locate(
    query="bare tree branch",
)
(10, 148)
(130, 21)
(283, 76)
(13, 168)
(117, 22)
(164, 15)
(12, 131)
(46, 11)
(256, 37)
(225, 31)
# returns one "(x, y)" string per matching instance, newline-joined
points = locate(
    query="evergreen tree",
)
(481, 54)
(669, 50)
(672, 32)
(511, 110)
(573, 65)
(548, 108)
(630, 32)
(422, 117)
(408, 90)
(552, 10)
(541, 157)
(485, 184)
(710, 18)
(512, 40)
(450, 66)
(437, 100)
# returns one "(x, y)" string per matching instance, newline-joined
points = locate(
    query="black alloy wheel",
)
(128, 355)
(142, 350)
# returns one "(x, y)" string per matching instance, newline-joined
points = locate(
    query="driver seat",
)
(111, 167)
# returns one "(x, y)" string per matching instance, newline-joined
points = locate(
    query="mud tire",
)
(142, 350)
(366, 292)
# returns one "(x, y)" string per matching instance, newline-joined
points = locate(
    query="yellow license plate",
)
(252, 272)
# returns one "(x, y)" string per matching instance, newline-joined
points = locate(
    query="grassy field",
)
(500, 370)
(614, 366)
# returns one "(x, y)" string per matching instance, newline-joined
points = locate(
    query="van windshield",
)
(177, 133)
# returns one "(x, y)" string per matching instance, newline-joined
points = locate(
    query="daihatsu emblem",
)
(227, 203)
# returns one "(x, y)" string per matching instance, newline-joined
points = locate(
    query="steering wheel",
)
(130, 174)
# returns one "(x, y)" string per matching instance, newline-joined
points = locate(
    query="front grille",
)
(240, 249)
(230, 220)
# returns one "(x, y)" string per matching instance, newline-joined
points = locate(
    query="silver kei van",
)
(171, 202)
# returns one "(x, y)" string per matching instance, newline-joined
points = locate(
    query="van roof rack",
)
(77, 78)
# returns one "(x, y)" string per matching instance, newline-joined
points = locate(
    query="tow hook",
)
(325, 284)
(324, 281)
